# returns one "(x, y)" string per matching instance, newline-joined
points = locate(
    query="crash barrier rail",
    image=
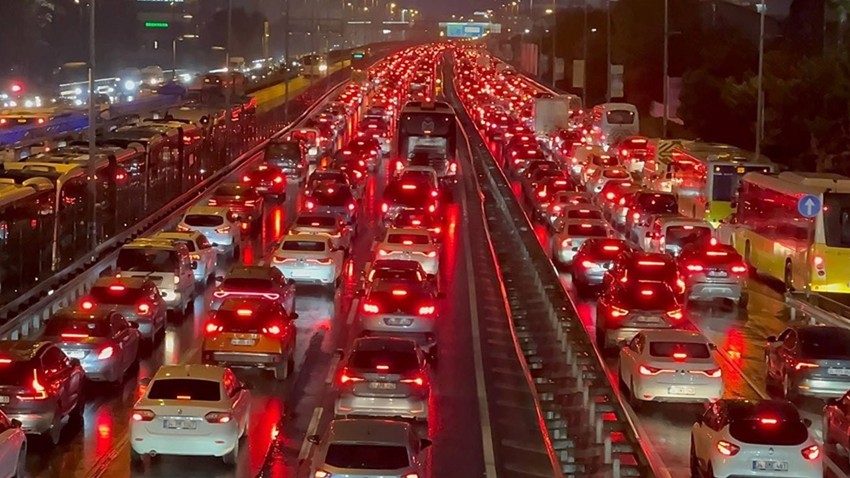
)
(67, 286)
(583, 418)
(817, 307)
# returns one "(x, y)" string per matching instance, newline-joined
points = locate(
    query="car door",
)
(123, 336)
(704, 432)
(238, 396)
(207, 253)
(59, 378)
(632, 356)
(158, 305)
(771, 352)
(11, 439)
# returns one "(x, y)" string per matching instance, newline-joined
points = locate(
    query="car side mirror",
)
(833, 401)
(807, 422)
(314, 439)
(75, 362)
(425, 443)
(290, 281)
(15, 423)
(294, 316)
(134, 325)
(194, 265)
(219, 280)
(771, 339)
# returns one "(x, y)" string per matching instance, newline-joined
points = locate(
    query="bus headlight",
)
(129, 85)
(323, 68)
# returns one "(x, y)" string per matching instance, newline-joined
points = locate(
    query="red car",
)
(267, 180)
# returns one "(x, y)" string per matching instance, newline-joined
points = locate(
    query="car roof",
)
(408, 230)
(369, 430)
(243, 271)
(128, 282)
(305, 238)
(200, 371)
(20, 349)
(208, 210)
(674, 335)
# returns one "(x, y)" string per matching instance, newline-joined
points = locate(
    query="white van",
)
(613, 122)
(167, 264)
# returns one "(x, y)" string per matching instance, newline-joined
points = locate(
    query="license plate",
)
(4, 399)
(845, 372)
(681, 390)
(646, 320)
(398, 321)
(382, 385)
(77, 354)
(717, 274)
(242, 342)
(770, 465)
(179, 424)
(262, 189)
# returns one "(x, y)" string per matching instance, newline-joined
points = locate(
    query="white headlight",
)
(323, 67)
(129, 85)
(78, 91)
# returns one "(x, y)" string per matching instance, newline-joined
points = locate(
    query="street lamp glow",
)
(365, 9)
(549, 11)
(392, 5)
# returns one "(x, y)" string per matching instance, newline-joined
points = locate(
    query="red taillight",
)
(818, 261)
(218, 417)
(610, 196)
(36, 392)
(273, 330)
(246, 179)
(432, 208)
(618, 312)
(309, 205)
(680, 356)
(739, 269)
(371, 308)
(142, 415)
(811, 452)
(351, 206)
(105, 353)
(74, 336)
(694, 268)
(675, 314)
(711, 373)
(588, 264)
(727, 449)
(649, 371)
(278, 179)
(223, 230)
(427, 310)
(144, 308)
(348, 377)
(385, 207)
(212, 328)
(802, 365)
(541, 194)
(87, 305)
(418, 380)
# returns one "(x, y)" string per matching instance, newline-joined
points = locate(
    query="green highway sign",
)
(156, 25)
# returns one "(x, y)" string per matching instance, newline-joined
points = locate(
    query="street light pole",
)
(665, 87)
(586, 38)
(288, 64)
(608, 49)
(760, 80)
(92, 135)
(231, 78)
(554, 32)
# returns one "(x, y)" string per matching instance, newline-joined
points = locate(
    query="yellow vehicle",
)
(776, 239)
(705, 177)
(251, 333)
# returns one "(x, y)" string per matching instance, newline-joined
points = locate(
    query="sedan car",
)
(410, 244)
(106, 345)
(737, 437)
(383, 377)
(43, 388)
(201, 251)
(364, 448)
(190, 410)
(267, 180)
(242, 200)
(571, 234)
(670, 366)
(309, 258)
(626, 308)
(810, 360)
(137, 299)
(336, 200)
(329, 225)
(402, 309)
(218, 224)
(713, 271)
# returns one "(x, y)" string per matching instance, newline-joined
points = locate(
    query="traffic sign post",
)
(808, 206)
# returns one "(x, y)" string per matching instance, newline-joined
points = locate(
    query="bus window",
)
(620, 117)
(836, 219)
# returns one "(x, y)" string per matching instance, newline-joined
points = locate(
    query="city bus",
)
(778, 241)
(704, 176)
(427, 128)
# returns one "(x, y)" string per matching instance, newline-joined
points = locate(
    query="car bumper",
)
(656, 391)
(172, 298)
(820, 388)
(589, 277)
(100, 370)
(242, 359)
(33, 423)
(311, 274)
(712, 290)
(406, 407)
(144, 442)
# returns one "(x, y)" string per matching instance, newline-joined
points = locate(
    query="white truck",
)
(554, 113)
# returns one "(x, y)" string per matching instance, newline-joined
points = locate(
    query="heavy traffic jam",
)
(305, 312)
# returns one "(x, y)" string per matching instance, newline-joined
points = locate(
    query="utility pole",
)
(313, 38)
(666, 86)
(554, 32)
(608, 50)
(287, 62)
(586, 38)
(760, 88)
(92, 135)
(231, 78)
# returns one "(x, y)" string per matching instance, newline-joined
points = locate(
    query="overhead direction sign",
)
(465, 30)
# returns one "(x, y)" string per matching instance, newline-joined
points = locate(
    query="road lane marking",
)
(311, 430)
(352, 311)
(332, 370)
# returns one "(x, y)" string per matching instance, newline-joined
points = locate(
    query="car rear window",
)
(283, 150)
(761, 430)
(657, 203)
(587, 230)
(645, 295)
(58, 326)
(147, 260)
(408, 239)
(17, 373)
(190, 245)
(116, 294)
(303, 246)
(184, 389)
(620, 117)
(583, 214)
(245, 320)
(232, 190)
(824, 343)
(366, 456)
(667, 349)
(681, 235)
(654, 270)
(603, 248)
(247, 284)
(315, 221)
(388, 361)
(409, 195)
(334, 197)
(203, 220)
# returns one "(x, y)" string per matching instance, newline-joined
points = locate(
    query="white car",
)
(670, 366)
(569, 236)
(190, 410)
(411, 245)
(330, 225)
(13, 447)
(600, 178)
(764, 438)
(200, 251)
(310, 258)
(218, 224)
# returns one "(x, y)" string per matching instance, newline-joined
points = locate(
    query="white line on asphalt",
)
(352, 311)
(483, 407)
(311, 430)
(332, 370)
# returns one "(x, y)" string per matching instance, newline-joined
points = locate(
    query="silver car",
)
(104, 342)
(384, 377)
(571, 234)
(217, 223)
(713, 272)
(367, 448)
(137, 299)
(402, 309)
(811, 360)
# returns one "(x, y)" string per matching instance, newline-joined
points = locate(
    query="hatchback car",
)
(400, 195)
(713, 272)
(402, 309)
(570, 235)
(810, 360)
(626, 308)
(137, 299)
(201, 251)
(255, 282)
(383, 377)
(670, 234)
(336, 200)
(190, 410)
(330, 225)
(288, 155)
(765, 438)
(410, 244)
(267, 180)
(364, 448)
(593, 259)
(40, 387)
(251, 333)
(219, 225)
(106, 345)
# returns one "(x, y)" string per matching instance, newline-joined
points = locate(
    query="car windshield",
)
(315, 221)
(58, 326)
(408, 239)
(303, 246)
(116, 294)
(388, 361)
(366, 456)
(203, 220)
(586, 230)
(693, 350)
(681, 235)
(17, 373)
(289, 150)
(184, 389)
(824, 343)
(147, 260)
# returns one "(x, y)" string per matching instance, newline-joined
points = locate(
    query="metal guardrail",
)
(583, 419)
(102, 260)
(818, 308)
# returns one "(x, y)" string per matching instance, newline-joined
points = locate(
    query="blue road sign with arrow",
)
(808, 205)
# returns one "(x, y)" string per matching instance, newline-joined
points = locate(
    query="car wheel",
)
(634, 401)
(695, 471)
(230, 458)
(135, 457)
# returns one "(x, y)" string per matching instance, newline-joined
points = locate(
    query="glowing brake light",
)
(117, 288)
(244, 312)
(675, 314)
(212, 328)
(143, 415)
(370, 308)
(618, 312)
(739, 269)
(649, 371)
(399, 292)
(246, 179)
(802, 365)
(647, 293)
(650, 263)
(680, 356)
(727, 449)
(74, 336)
(427, 310)
(87, 305)
(694, 268)
(105, 353)
(811, 452)
(768, 421)
(611, 248)
(408, 186)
